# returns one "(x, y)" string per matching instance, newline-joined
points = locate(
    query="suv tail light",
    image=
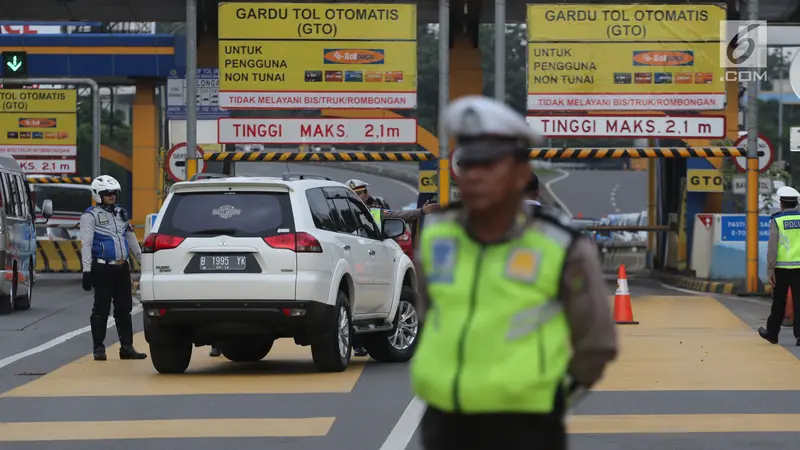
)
(296, 242)
(155, 242)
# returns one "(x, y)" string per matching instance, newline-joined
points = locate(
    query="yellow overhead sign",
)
(330, 21)
(40, 122)
(428, 181)
(704, 180)
(319, 66)
(38, 100)
(300, 55)
(625, 57)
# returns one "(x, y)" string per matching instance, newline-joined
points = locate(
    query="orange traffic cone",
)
(788, 318)
(623, 313)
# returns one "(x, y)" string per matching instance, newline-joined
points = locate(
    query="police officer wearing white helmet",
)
(783, 263)
(379, 212)
(515, 308)
(107, 240)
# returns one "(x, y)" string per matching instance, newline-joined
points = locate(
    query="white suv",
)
(239, 262)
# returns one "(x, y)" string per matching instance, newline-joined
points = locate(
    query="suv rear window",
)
(238, 214)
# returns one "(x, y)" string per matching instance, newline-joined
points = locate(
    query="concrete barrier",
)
(63, 257)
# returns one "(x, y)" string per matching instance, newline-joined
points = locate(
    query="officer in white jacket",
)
(107, 240)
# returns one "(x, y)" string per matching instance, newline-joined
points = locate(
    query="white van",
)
(17, 236)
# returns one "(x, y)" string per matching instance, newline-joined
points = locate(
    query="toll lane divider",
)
(712, 287)
(537, 153)
(63, 257)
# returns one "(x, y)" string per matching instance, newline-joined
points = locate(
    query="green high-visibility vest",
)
(789, 240)
(496, 338)
(377, 215)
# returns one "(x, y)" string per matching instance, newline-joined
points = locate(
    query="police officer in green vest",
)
(379, 211)
(783, 263)
(515, 309)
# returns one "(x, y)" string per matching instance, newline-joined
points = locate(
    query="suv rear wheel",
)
(170, 351)
(332, 350)
(245, 351)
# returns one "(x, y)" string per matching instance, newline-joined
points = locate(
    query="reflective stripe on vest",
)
(788, 240)
(495, 339)
(376, 215)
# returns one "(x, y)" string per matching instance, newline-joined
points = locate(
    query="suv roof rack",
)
(302, 176)
(206, 176)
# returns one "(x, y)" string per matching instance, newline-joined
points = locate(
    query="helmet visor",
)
(109, 193)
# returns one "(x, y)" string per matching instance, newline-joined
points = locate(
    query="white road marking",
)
(405, 428)
(614, 198)
(7, 361)
(564, 174)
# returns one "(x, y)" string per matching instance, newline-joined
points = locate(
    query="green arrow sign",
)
(14, 64)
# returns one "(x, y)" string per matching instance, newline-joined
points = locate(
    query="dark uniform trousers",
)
(112, 283)
(447, 431)
(784, 279)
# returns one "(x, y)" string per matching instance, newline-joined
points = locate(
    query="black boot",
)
(125, 330)
(98, 325)
(99, 353)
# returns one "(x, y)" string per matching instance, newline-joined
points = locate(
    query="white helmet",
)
(475, 118)
(357, 185)
(104, 183)
(787, 192)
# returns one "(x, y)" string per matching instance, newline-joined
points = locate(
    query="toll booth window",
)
(66, 200)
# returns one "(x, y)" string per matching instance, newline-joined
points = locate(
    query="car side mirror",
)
(393, 228)
(47, 212)
(47, 208)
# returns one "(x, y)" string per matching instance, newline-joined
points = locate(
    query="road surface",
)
(692, 375)
(698, 380)
(598, 193)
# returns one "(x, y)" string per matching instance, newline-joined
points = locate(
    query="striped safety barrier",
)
(320, 156)
(651, 152)
(536, 153)
(61, 180)
(63, 257)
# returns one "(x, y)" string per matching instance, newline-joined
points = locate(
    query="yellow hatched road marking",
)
(163, 429)
(288, 369)
(695, 343)
(683, 423)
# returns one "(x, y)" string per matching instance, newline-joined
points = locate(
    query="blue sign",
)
(207, 96)
(734, 228)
